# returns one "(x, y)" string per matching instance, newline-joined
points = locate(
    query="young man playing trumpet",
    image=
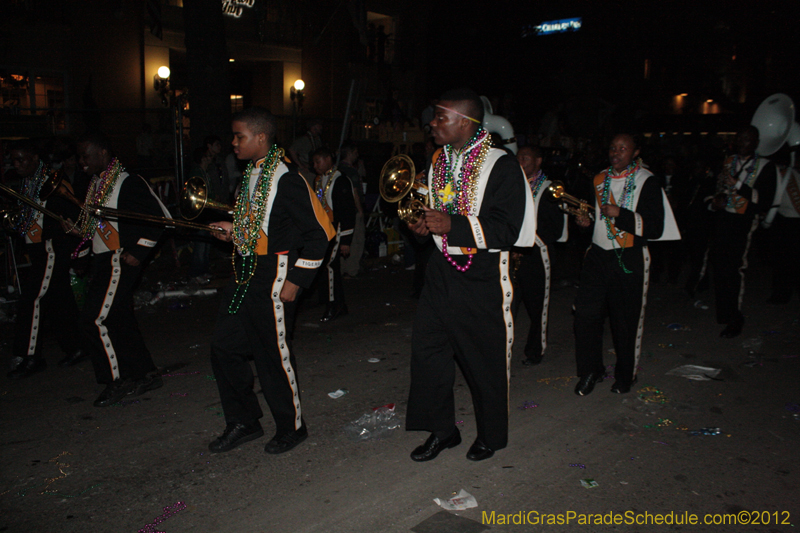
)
(630, 209)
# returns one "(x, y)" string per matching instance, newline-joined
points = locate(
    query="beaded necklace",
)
(322, 192)
(625, 202)
(457, 196)
(98, 195)
(30, 189)
(248, 217)
(751, 174)
(536, 183)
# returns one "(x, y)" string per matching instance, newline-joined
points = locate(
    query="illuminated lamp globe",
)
(163, 72)
(299, 85)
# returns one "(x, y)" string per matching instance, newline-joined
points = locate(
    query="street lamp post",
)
(297, 95)
(177, 102)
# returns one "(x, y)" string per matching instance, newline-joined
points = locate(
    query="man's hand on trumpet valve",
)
(436, 222)
(227, 226)
(419, 227)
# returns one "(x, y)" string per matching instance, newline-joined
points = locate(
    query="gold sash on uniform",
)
(626, 239)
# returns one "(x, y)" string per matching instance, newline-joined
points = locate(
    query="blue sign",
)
(553, 26)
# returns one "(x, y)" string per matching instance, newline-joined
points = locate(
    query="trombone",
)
(194, 200)
(8, 214)
(568, 203)
(56, 186)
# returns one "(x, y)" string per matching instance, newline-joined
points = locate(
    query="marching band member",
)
(785, 236)
(280, 233)
(46, 291)
(335, 193)
(482, 207)
(532, 268)
(120, 357)
(630, 209)
(746, 187)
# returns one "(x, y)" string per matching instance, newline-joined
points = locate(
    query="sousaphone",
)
(774, 120)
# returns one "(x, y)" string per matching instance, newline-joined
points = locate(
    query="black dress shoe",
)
(73, 359)
(620, 387)
(147, 383)
(732, 330)
(287, 441)
(332, 313)
(27, 367)
(235, 435)
(433, 446)
(479, 451)
(114, 392)
(586, 383)
(532, 360)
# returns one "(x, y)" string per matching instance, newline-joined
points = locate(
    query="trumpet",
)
(568, 203)
(397, 183)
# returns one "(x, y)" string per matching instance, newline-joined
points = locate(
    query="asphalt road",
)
(143, 465)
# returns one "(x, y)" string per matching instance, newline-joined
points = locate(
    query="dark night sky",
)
(690, 46)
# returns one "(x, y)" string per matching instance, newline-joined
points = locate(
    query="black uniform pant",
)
(464, 318)
(261, 329)
(696, 243)
(607, 291)
(46, 293)
(331, 288)
(728, 256)
(785, 245)
(533, 289)
(116, 346)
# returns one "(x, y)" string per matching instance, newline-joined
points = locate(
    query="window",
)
(28, 94)
(237, 103)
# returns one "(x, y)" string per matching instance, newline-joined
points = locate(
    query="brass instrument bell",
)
(9, 217)
(397, 184)
(195, 199)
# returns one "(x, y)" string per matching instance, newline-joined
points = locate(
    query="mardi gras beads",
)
(464, 188)
(98, 195)
(248, 217)
(625, 202)
(30, 189)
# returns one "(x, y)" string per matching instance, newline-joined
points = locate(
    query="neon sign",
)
(553, 26)
(235, 8)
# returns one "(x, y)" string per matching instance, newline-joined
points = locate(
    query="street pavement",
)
(143, 464)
